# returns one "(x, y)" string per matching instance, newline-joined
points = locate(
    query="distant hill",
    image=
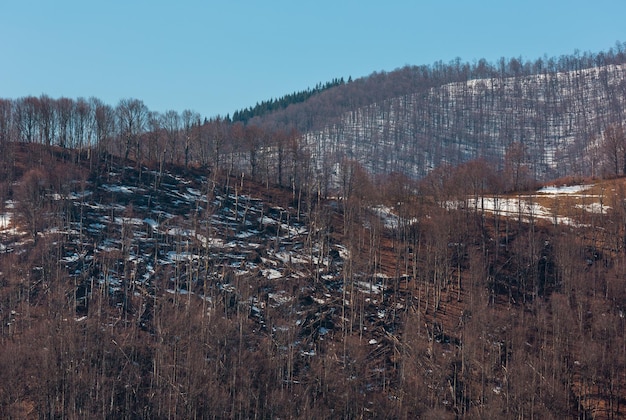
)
(414, 119)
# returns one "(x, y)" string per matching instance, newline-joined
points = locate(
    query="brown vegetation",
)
(160, 266)
(442, 313)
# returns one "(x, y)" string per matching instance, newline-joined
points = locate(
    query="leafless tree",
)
(191, 122)
(614, 148)
(171, 123)
(132, 115)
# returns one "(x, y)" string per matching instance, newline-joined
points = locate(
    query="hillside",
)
(154, 291)
(417, 118)
(434, 242)
(557, 117)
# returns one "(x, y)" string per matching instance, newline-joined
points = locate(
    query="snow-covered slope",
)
(555, 115)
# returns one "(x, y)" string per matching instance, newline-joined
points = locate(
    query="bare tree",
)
(515, 166)
(154, 135)
(47, 119)
(82, 124)
(6, 120)
(170, 121)
(26, 110)
(191, 120)
(103, 123)
(132, 115)
(614, 148)
(65, 109)
(32, 197)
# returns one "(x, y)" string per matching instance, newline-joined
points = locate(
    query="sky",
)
(216, 57)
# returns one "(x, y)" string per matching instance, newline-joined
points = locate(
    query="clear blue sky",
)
(215, 57)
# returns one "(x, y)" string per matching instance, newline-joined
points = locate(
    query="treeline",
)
(269, 106)
(130, 130)
(410, 120)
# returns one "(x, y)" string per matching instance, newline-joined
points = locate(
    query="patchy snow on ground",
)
(271, 273)
(5, 220)
(118, 189)
(174, 256)
(522, 207)
(389, 218)
(598, 208)
(280, 297)
(290, 257)
(171, 238)
(152, 223)
(565, 189)
(525, 206)
(343, 251)
(77, 195)
(369, 287)
(128, 221)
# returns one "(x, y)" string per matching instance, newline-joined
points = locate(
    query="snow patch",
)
(570, 189)
(271, 273)
(593, 208)
(5, 220)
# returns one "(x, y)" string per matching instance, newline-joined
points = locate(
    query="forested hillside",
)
(156, 290)
(556, 117)
(385, 249)
(415, 119)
